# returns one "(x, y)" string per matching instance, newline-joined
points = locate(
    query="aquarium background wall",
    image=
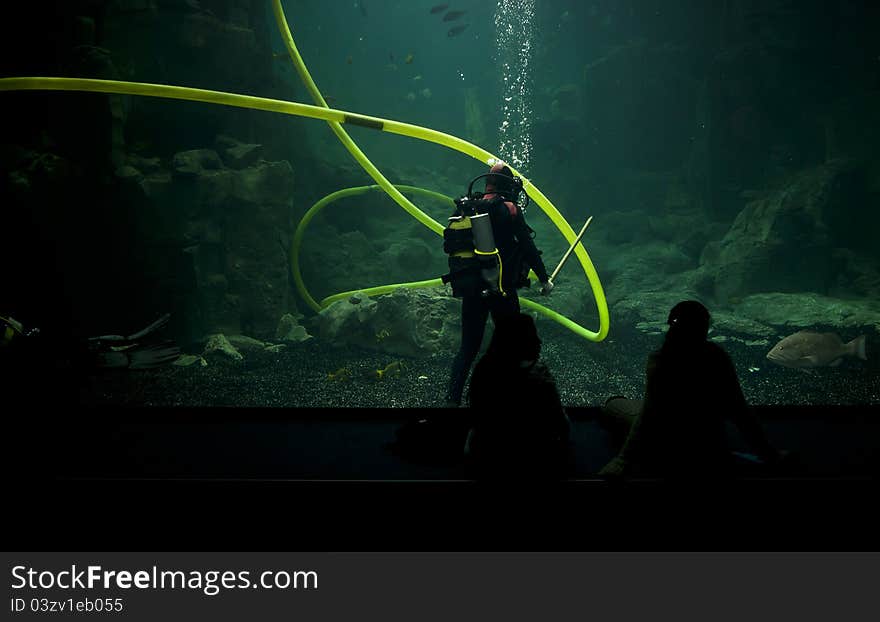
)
(726, 150)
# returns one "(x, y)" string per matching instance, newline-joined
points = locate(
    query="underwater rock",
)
(186, 360)
(242, 156)
(334, 262)
(647, 312)
(345, 321)
(407, 322)
(255, 226)
(640, 267)
(417, 322)
(231, 228)
(785, 242)
(264, 184)
(408, 256)
(289, 329)
(195, 162)
(147, 165)
(806, 310)
(219, 344)
(619, 227)
(129, 173)
(688, 229)
(737, 323)
(243, 342)
(236, 154)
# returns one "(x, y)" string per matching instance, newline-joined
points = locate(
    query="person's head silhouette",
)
(688, 322)
(515, 339)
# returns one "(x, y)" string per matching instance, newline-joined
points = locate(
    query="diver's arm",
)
(530, 251)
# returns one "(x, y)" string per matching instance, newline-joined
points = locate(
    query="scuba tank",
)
(475, 266)
(474, 261)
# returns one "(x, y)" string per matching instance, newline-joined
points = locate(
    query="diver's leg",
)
(473, 324)
(503, 306)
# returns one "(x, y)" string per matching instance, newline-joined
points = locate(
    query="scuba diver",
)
(491, 251)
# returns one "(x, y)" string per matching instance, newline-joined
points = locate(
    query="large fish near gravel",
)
(805, 350)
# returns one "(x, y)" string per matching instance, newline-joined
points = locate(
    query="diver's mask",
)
(512, 193)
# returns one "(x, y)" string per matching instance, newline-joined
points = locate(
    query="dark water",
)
(726, 152)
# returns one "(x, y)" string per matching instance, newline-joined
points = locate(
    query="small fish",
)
(279, 55)
(426, 93)
(391, 56)
(349, 59)
(417, 78)
(439, 8)
(339, 375)
(392, 369)
(423, 377)
(805, 349)
(457, 30)
(453, 15)
(362, 7)
(409, 58)
(410, 97)
(753, 369)
(391, 67)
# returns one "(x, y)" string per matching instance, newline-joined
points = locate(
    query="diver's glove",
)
(547, 287)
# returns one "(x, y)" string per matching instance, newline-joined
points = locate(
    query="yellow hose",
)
(300, 232)
(340, 132)
(335, 118)
(461, 146)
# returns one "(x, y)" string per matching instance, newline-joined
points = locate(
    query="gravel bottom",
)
(587, 374)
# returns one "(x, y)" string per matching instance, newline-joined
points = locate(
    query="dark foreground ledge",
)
(325, 479)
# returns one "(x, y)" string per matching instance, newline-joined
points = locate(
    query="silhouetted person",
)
(691, 389)
(519, 425)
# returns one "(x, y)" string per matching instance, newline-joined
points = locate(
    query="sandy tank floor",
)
(586, 373)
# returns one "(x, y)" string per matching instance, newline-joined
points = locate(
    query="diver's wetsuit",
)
(514, 242)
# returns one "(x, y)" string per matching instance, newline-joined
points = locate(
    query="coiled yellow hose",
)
(335, 118)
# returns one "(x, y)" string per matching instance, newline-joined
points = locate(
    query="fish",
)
(409, 58)
(417, 78)
(392, 369)
(349, 59)
(426, 93)
(457, 30)
(339, 375)
(391, 56)
(807, 349)
(410, 97)
(362, 7)
(453, 15)
(439, 8)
